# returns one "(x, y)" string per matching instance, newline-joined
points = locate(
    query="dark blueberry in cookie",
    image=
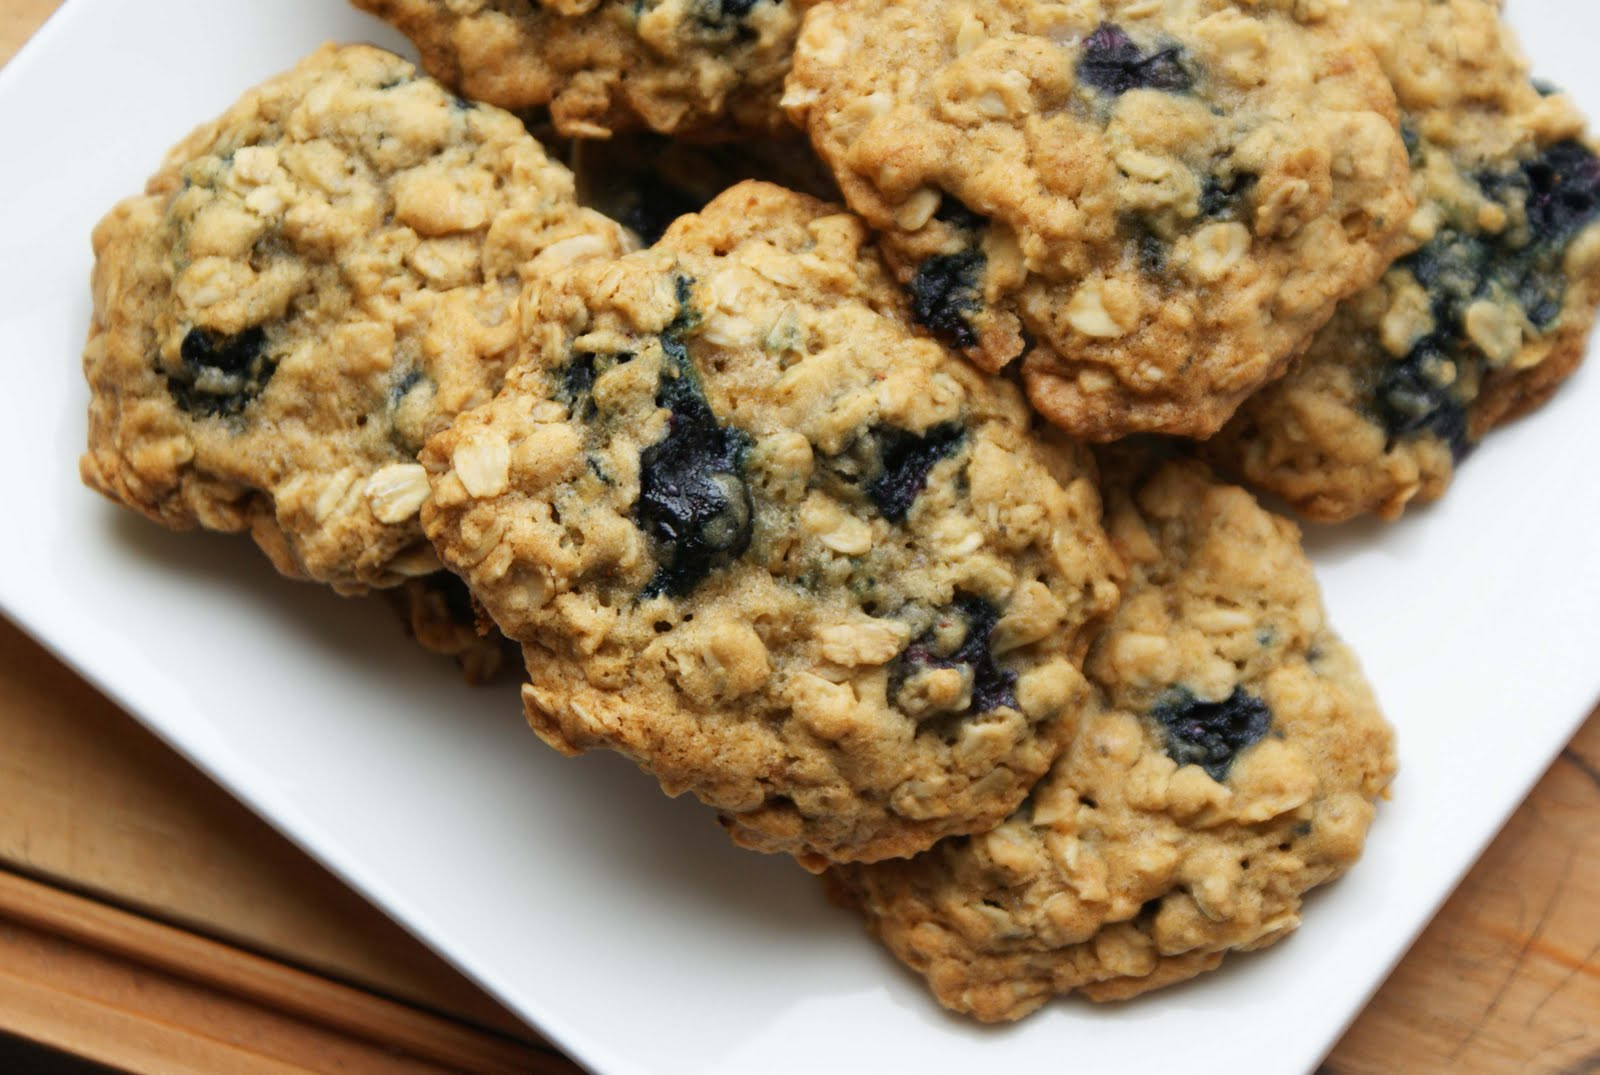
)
(220, 375)
(1559, 191)
(993, 687)
(1113, 64)
(906, 459)
(1414, 399)
(231, 355)
(1450, 267)
(945, 293)
(1563, 191)
(1223, 197)
(693, 501)
(575, 386)
(1211, 734)
(688, 317)
(1418, 394)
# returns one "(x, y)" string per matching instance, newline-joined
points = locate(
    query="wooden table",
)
(149, 921)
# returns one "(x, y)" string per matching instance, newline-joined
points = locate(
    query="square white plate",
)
(622, 924)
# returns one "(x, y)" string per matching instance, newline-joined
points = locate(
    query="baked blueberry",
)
(945, 292)
(960, 640)
(1563, 185)
(1113, 64)
(575, 385)
(692, 497)
(1211, 734)
(1414, 397)
(220, 375)
(904, 461)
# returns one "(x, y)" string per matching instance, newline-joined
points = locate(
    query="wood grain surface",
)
(149, 921)
(123, 989)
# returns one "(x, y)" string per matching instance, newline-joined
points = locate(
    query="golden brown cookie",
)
(312, 285)
(1230, 764)
(758, 534)
(1158, 203)
(701, 68)
(1487, 313)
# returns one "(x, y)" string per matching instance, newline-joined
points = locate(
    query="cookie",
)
(1158, 203)
(1486, 314)
(311, 286)
(437, 612)
(693, 68)
(759, 535)
(1229, 764)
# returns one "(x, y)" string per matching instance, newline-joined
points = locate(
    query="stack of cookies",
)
(834, 437)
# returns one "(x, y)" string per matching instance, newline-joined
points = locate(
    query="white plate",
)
(621, 924)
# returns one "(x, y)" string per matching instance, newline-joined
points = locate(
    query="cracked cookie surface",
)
(758, 534)
(1229, 764)
(312, 285)
(1488, 311)
(1159, 203)
(701, 68)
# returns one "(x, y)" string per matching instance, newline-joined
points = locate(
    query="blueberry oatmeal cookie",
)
(695, 68)
(311, 286)
(1481, 320)
(759, 535)
(1230, 764)
(1158, 202)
